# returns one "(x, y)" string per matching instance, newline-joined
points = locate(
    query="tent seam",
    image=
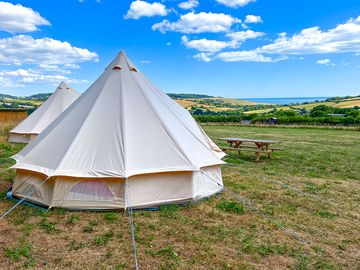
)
(162, 124)
(182, 123)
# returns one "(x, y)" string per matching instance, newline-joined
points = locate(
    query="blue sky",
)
(231, 48)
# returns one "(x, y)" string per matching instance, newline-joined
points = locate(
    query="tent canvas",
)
(123, 143)
(43, 116)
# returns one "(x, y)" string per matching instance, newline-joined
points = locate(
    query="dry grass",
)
(287, 108)
(347, 103)
(235, 101)
(21, 101)
(216, 233)
(186, 103)
(350, 103)
(12, 118)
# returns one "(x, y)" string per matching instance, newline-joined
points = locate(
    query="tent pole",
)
(132, 226)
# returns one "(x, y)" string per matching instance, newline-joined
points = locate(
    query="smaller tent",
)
(35, 123)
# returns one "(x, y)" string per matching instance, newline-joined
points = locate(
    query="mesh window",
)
(90, 191)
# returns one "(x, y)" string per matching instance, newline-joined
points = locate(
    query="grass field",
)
(347, 103)
(22, 101)
(297, 211)
(187, 103)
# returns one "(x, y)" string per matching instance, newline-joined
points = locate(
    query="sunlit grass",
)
(221, 232)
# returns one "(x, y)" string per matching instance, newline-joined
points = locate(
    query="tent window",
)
(90, 190)
(134, 69)
(116, 68)
(30, 188)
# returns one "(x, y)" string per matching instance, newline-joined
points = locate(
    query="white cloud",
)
(326, 62)
(72, 66)
(244, 56)
(241, 36)
(190, 4)
(140, 9)
(29, 76)
(343, 38)
(168, 43)
(253, 19)
(25, 49)
(83, 1)
(205, 45)
(323, 61)
(212, 46)
(235, 3)
(204, 57)
(145, 61)
(5, 82)
(17, 18)
(198, 23)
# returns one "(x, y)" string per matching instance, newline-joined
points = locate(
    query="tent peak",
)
(64, 85)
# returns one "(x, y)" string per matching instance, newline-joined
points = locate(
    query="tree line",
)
(319, 115)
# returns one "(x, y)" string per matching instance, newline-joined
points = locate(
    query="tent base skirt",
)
(145, 191)
(10, 196)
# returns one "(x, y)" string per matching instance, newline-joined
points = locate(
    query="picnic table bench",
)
(252, 145)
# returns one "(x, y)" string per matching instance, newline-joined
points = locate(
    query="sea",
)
(287, 100)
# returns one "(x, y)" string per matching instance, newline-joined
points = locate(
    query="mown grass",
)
(221, 232)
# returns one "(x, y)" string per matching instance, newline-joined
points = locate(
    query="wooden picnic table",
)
(259, 147)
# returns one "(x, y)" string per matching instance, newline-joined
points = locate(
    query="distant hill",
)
(41, 96)
(7, 96)
(200, 104)
(182, 96)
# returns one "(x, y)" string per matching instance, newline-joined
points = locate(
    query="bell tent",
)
(36, 122)
(122, 144)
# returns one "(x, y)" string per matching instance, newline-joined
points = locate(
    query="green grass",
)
(73, 219)
(231, 207)
(16, 253)
(47, 226)
(169, 211)
(74, 245)
(111, 216)
(311, 153)
(103, 239)
(218, 233)
(325, 214)
(88, 229)
(21, 253)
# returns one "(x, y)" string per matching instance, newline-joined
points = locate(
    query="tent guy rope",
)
(252, 208)
(27, 196)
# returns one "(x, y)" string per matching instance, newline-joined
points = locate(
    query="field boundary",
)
(353, 128)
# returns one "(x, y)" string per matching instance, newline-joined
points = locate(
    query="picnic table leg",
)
(259, 145)
(237, 145)
(257, 156)
(270, 152)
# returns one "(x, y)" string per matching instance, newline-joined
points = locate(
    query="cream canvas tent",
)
(123, 143)
(34, 124)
